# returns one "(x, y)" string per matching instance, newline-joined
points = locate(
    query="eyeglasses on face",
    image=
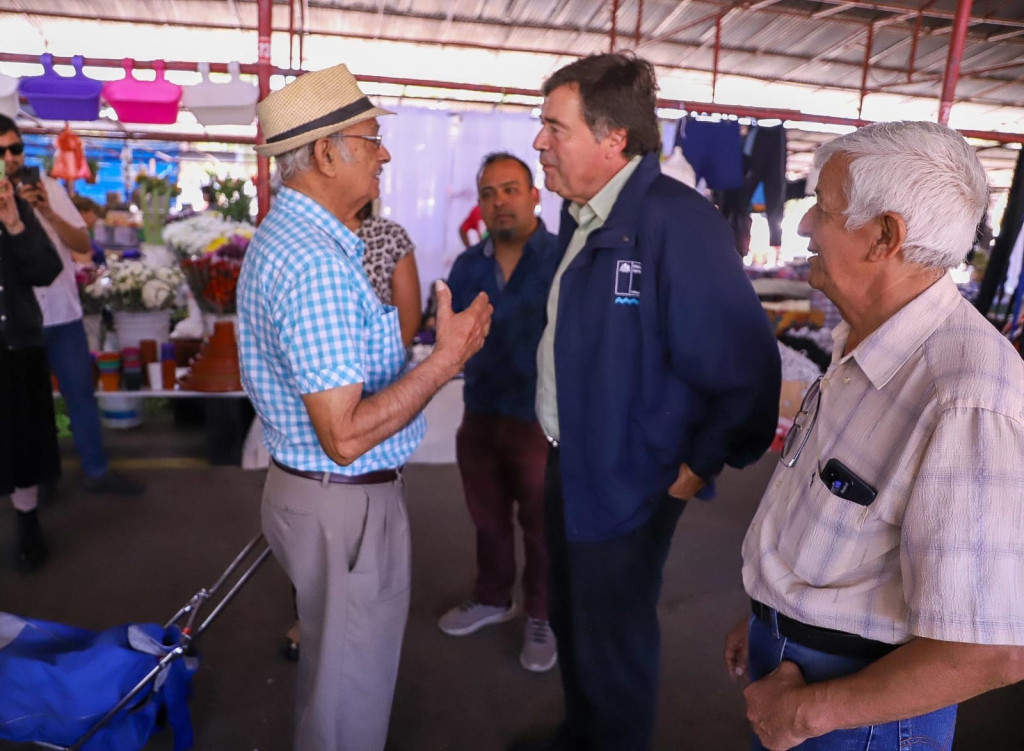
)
(803, 424)
(375, 140)
(15, 148)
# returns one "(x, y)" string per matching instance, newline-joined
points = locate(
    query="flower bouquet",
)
(210, 249)
(153, 196)
(86, 274)
(135, 287)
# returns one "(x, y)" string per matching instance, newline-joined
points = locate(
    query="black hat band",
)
(339, 115)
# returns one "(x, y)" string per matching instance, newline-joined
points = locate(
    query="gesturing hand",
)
(460, 335)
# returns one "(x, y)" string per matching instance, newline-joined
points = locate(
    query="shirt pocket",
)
(384, 355)
(829, 541)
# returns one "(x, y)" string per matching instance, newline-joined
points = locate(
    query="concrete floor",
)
(120, 560)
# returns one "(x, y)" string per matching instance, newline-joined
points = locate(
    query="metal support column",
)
(714, 59)
(956, 52)
(864, 70)
(265, 9)
(615, 25)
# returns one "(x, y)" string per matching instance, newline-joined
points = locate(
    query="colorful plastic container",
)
(229, 103)
(9, 100)
(56, 97)
(137, 101)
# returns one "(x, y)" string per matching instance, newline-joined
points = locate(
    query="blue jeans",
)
(68, 351)
(928, 732)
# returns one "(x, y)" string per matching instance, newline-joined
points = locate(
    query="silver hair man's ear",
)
(925, 172)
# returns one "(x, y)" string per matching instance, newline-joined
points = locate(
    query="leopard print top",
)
(387, 242)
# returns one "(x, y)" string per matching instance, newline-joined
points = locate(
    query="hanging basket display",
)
(137, 101)
(9, 102)
(56, 97)
(230, 103)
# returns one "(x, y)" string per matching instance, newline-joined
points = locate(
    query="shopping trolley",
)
(71, 689)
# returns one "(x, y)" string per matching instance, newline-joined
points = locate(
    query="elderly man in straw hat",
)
(321, 359)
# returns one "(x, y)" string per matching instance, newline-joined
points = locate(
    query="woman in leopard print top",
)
(391, 267)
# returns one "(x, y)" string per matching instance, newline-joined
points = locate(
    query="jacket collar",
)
(619, 229)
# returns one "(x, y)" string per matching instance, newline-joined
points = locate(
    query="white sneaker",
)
(471, 616)
(540, 652)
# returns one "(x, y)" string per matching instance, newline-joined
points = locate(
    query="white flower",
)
(197, 234)
(155, 294)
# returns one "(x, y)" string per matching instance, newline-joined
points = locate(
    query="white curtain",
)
(430, 185)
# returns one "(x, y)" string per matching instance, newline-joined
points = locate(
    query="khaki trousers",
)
(346, 550)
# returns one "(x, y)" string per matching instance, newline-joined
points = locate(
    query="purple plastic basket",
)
(57, 97)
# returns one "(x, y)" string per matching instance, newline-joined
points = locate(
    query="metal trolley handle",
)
(189, 632)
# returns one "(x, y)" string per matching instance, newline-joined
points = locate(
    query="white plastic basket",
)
(229, 103)
(9, 104)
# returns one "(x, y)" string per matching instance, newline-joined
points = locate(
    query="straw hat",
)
(312, 106)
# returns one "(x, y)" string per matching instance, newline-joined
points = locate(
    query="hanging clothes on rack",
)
(764, 164)
(714, 148)
(999, 260)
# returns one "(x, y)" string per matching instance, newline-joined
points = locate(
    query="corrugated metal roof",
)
(802, 54)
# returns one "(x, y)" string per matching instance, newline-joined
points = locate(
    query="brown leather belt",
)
(823, 639)
(369, 478)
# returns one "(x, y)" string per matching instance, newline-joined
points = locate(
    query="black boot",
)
(32, 553)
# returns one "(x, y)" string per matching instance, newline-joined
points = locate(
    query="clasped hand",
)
(773, 701)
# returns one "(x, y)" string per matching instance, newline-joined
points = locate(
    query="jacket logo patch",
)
(627, 282)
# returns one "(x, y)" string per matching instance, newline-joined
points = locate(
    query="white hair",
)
(291, 163)
(925, 172)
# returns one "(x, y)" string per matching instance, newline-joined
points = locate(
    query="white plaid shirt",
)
(309, 321)
(929, 410)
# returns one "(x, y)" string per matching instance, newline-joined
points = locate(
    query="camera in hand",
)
(30, 175)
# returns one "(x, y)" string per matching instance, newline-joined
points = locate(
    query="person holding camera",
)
(66, 342)
(28, 443)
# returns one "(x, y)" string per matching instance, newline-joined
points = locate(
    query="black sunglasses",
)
(14, 148)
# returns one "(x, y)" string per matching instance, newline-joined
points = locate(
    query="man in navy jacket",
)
(656, 369)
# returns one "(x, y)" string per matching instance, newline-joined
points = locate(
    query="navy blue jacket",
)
(663, 355)
(501, 379)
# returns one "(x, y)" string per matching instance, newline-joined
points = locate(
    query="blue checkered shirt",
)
(309, 321)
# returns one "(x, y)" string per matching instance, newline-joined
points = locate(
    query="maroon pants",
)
(502, 461)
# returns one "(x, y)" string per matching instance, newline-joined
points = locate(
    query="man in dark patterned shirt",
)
(500, 446)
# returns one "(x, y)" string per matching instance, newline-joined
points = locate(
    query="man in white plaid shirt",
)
(885, 561)
(322, 360)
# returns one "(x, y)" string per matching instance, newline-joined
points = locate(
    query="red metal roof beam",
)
(956, 53)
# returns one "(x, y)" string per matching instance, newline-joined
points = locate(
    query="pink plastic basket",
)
(57, 97)
(137, 101)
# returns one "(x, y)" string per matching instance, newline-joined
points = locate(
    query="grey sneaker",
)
(540, 653)
(471, 616)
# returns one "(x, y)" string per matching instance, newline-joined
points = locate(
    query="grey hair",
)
(291, 163)
(925, 172)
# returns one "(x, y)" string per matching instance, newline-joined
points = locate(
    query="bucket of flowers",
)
(141, 297)
(209, 249)
(92, 308)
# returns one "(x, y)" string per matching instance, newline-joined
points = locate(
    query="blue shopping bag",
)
(57, 682)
